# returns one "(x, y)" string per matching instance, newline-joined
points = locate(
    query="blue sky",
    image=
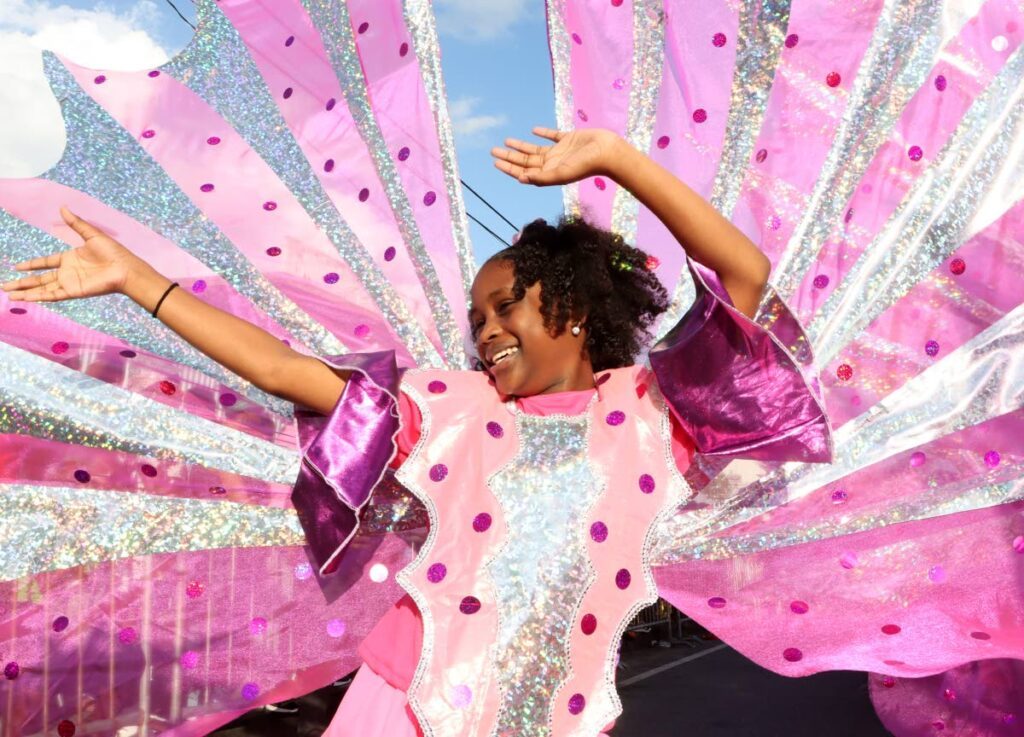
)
(494, 55)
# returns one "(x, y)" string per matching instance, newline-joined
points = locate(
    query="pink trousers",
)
(374, 708)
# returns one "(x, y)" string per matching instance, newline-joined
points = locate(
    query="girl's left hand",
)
(576, 155)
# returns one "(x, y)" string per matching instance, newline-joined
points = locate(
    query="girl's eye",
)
(505, 305)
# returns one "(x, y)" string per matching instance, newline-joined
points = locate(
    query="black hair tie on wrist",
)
(164, 297)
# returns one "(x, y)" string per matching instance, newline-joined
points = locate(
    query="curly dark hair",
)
(586, 271)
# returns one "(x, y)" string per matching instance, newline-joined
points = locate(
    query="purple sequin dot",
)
(623, 578)
(582, 115)
(438, 472)
(495, 430)
(148, 133)
(437, 387)
(482, 522)
(646, 483)
(82, 476)
(774, 222)
(128, 353)
(11, 671)
(992, 458)
(100, 79)
(257, 626)
(206, 187)
(287, 93)
(269, 205)
(127, 635)
(716, 602)
(600, 183)
(274, 251)
(792, 654)
(437, 572)
(576, 703)
(250, 691)
(289, 41)
(429, 198)
(798, 607)
(700, 115)
(615, 418)
(839, 496)
(195, 589)
(888, 681)
(60, 623)
(931, 347)
(331, 278)
(469, 605)
(153, 74)
(329, 165)
(619, 83)
(915, 153)
(891, 629)
(189, 659)
(599, 532)
(361, 331)
(199, 285)
(330, 104)
(792, 40)
(848, 560)
(364, 194)
(403, 49)
(363, 27)
(403, 153)
(820, 281)
(336, 628)
(981, 635)
(718, 40)
(59, 347)
(917, 459)
(849, 216)
(228, 399)
(940, 83)
(213, 140)
(937, 574)
(664, 141)
(957, 266)
(576, 38)
(22, 311)
(762, 154)
(588, 624)
(218, 490)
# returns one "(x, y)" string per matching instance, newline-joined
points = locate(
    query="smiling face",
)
(521, 355)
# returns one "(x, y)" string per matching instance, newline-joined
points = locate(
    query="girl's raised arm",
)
(101, 265)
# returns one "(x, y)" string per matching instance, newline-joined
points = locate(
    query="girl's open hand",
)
(575, 155)
(99, 266)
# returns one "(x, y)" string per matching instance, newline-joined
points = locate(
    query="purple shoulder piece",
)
(742, 389)
(345, 455)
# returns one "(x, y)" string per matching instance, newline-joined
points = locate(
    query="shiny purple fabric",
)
(345, 455)
(737, 387)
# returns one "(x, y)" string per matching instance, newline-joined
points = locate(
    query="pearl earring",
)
(575, 329)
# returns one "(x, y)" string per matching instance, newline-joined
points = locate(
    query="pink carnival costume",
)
(295, 166)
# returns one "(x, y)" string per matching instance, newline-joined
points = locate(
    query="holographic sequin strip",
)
(981, 380)
(103, 161)
(332, 19)
(903, 49)
(645, 83)
(936, 215)
(419, 18)
(119, 316)
(561, 67)
(543, 568)
(47, 528)
(41, 398)
(218, 67)
(762, 29)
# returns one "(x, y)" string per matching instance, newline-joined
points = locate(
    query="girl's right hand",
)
(100, 265)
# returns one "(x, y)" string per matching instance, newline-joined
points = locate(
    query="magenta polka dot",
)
(390, 253)
(329, 165)
(888, 681)
(582, 115)
(287, 93)
(992, 458)
(664, 141)
(588, 624)
(792, 654)
(208, 187)
(839, 496)
(127, 635)
(931, 348)
(623, 578)
(716, 602)
(60, 347)
(615, 418)
(576, 701)
(195, 589)
(576, 39)
(364, 194)
(652, 263)
(844, 372)
(940, 83)
(270, 206)
(274, 251)
(437, 572)
(257, 626)
(774, 222)
(616, 3)
(792, 40)
(646, 483)
(403, 49)
(99, 79)
(213, 140)
(820, 281)
(700, 115)
(482, 522)
(217, 490)
(167, 387)
(798, 607)
(82, 476)
(228, 399)
(891, 629)
(289, 41)
(199, 285)
(331, 277)
(403, 153)
(915, 153)
(361, 331)
(12, 670)
(981, 635)
(833, 79)
(21, 311)
(189, 659)
(363, 27)
(848, 560)
(438, 472)
(848, 216)
(469, 605)
(619, 83)
(917, 459)
(437, 387)
(957, 266)
(762, 154)
(60, 623)
(250, 691)
(495, 430)
(330, 104)
(599, 532)
(429, 198)
(600, 183)
(148, 133)
(718, 40)
(153, 74)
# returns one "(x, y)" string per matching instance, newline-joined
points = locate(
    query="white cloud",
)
(479, 20)
(468, 125)
(31, 128)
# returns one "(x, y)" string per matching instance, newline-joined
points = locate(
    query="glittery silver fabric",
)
(543, 569)
(558, 39)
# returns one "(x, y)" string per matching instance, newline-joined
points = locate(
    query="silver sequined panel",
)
(542, 570)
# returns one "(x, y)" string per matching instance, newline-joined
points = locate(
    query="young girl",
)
(544, 473)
